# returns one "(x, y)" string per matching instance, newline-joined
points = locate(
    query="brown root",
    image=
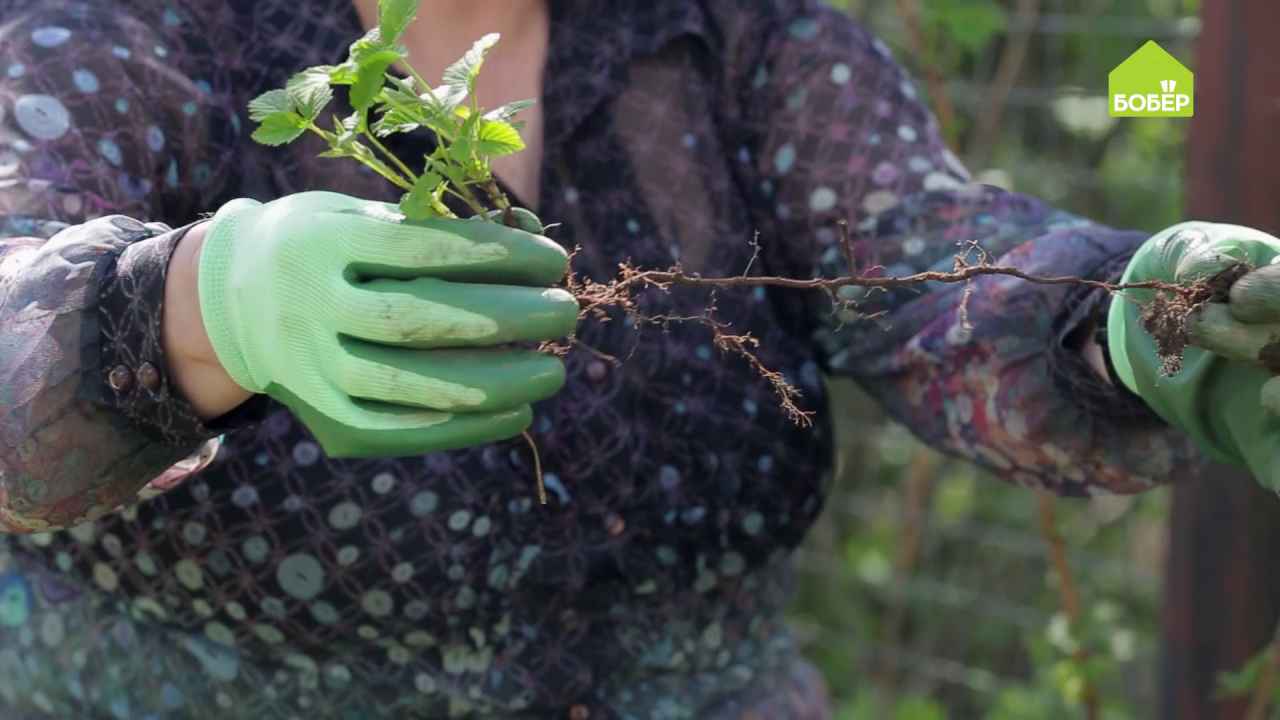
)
(1168, 315)
(537, 468)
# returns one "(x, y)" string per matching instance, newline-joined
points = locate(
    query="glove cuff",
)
(218, 306)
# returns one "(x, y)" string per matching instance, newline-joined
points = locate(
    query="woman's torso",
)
(652, 582)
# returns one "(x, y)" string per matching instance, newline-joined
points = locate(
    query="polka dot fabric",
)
(160, 567)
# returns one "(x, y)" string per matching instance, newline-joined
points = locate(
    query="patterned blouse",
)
(156, 566)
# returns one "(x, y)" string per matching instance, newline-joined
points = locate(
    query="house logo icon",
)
(1152, 83)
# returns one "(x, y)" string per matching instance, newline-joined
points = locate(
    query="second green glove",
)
(1219, 395)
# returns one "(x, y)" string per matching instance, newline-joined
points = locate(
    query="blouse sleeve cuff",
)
(1086, 312)
(125, 365)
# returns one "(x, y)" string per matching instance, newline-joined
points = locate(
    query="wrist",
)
(1095, 356)
(198, 376)
(185, 338)
(221, 309)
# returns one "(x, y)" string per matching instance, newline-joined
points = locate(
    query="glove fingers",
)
(430, 313)
(524, 219)
(459, 250)
(448, 380)
(1270, 396)
(1201, 250)
(459, 431)
(370, 429)
(1255, 298)
(1216, 329)
(1245, 405)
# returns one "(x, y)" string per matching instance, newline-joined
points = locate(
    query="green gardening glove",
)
(1224, 395)
(385, 337)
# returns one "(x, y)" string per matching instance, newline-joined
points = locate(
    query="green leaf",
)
(348, 127)
(403, 87)
(505, 113)
(918, 708)
(968, 24)
(368, 43)
(395, 120)
(442, 105)
(394, 16)
(370, 57)
(310, 92)
(420, 202)
(447, 102)
(456, 175)
(280, 128)
(463, 148)
(344, 74)
(400, 109)
(1242, 681)
(270, 103)
(498, 138)
(369, 78)
(463, 72)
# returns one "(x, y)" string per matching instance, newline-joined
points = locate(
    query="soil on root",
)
(1167, 317)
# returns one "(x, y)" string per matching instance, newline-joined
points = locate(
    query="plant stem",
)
(910, 11)
(474, 201)
(325, 134)
(496, 195)
(426, 86)
(387, 173)
(1012, 59)
(373, 139)
(467, 198)
(373, 164)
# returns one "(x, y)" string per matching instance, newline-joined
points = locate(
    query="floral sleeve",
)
(98, 134)
(991, 371)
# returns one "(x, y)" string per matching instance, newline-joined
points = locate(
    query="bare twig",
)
(1070, 597)
(1009, 68)
(918, 488)
(937, 87)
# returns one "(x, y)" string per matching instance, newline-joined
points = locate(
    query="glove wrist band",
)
(213, 283)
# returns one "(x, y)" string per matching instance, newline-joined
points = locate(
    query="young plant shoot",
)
(468, 137)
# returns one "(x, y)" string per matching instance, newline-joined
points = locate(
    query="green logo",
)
(1152, 83)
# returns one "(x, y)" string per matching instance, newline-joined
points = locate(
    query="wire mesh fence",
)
(928, 588)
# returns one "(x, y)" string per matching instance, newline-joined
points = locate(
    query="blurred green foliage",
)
(925, 589)
(973, 628)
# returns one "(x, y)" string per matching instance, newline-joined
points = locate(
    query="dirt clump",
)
(1168, 315)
